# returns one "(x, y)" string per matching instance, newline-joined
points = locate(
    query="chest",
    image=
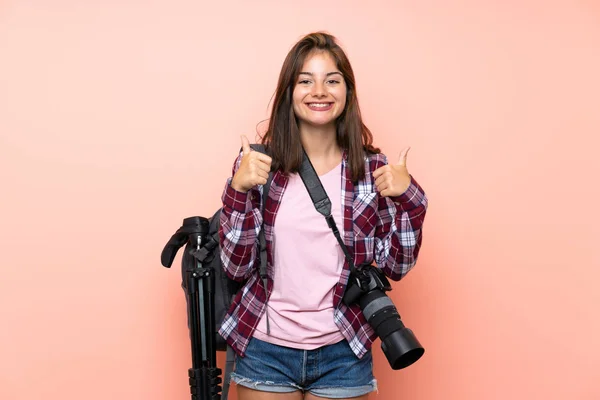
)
(354, 205)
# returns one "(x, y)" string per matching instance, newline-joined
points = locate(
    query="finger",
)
(381, 179)
(379, 171)
(265, 166)
(403, 156)
(263, 157)
(245, 145)
(262, 173)
(263, 169)
(383, 186)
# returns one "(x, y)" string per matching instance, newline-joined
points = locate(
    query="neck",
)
(320, 143)
(321, 147)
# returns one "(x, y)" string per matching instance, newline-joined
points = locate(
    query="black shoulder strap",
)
(262, 269)
(261, 237)
(322, 203)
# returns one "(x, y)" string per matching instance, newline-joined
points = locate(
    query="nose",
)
(318, 90)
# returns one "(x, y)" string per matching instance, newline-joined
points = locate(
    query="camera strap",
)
(322, 203)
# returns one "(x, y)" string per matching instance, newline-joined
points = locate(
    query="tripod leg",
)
(202, 308)
(205, 368)
(210, 311)
(212, 374)
(204, 375)
(192, 289)
(195, 373)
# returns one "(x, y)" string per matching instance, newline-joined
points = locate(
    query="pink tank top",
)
(308, 262)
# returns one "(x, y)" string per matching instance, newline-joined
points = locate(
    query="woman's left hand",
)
(393, 180)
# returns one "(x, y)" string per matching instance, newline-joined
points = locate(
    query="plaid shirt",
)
(384, 229)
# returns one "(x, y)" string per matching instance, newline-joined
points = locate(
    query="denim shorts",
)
(332, 371)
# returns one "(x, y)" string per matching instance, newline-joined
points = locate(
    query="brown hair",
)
(283, 136)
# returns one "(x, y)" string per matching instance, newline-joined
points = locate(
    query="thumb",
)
(403, 156)
(245, 145)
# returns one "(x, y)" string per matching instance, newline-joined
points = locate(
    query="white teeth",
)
(319, 104)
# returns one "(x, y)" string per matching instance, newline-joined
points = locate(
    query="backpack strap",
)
(263, 245)
(261, 237)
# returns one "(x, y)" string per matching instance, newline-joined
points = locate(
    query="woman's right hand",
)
(254, 169)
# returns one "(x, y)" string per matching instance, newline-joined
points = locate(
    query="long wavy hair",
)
(283, 136)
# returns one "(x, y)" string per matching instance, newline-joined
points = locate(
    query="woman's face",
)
(320, 91)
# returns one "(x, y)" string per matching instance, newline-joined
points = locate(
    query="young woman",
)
(296, 339)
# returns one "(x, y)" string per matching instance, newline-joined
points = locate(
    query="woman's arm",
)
(398, 234)
(240, 224)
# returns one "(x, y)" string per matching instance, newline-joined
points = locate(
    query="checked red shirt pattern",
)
(387, 230)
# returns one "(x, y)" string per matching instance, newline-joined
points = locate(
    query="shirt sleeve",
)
(399, 230)
(239, 226)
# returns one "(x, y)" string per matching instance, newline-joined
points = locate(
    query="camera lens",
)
(398, 343)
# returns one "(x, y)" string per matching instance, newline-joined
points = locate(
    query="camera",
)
(367, 287)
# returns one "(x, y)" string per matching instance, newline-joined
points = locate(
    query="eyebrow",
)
(328, 74)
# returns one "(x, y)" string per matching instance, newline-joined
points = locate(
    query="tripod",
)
(199, 285)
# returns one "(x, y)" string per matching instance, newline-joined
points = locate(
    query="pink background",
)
(120, 118)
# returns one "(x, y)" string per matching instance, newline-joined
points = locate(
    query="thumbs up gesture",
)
(254, 168)
(393, 180)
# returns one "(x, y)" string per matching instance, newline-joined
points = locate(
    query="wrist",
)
(237, 187)
(236, 200)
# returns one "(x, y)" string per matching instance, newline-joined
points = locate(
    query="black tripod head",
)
(193, 231)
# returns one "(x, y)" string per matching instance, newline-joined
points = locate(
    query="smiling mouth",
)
(320, 106)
